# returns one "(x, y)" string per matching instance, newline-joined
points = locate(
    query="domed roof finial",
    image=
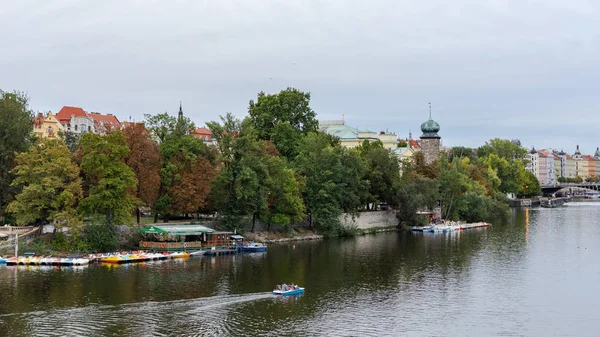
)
(430, 110)
(533, 151)
(430, 127)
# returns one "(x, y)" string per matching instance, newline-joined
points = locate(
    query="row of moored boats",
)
(114, 258)
(449, 227)
(44, 261)
(137, 256)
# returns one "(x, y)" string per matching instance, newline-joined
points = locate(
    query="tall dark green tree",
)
(282, 118)
(16, 135)
(180, 151)
(415, 195)
(285, 204)
(334, 180)
(109, 179)
(241, 188)
(382, 172)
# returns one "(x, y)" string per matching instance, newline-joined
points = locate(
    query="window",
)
(75, 127)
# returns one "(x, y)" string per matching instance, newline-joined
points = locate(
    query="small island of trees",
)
(272, 166)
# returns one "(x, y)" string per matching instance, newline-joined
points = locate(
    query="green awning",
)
(178, 229)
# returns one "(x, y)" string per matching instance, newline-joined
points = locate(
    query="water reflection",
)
(384, 284)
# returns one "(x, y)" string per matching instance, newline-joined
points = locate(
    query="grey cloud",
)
(490, 68)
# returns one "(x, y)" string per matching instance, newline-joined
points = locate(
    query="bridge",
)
(570, 188)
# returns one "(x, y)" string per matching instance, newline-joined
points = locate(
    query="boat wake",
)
(133, 319)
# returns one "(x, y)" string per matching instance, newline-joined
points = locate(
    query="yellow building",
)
(404, 153)
(571, 168)
(352, 137)
(46, 126)
(389, 140)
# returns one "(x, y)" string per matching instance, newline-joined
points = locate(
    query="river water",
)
(535, 275)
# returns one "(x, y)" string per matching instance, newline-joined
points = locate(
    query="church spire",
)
(180, 111)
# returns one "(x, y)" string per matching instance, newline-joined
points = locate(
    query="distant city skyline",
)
(525, 70)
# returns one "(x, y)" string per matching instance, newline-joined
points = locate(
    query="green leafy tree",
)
(503, 148)
(182, 156)
(453, 183)
(241, 188)
(71, 139)
(110, 179)
(382, 172)
(510, 174)
(282, 118)
(530, 185)
(333, 180)
(50, 186)
(416, 195)
(461, 152)
(285, 204)
(423, 169)
(16, 135)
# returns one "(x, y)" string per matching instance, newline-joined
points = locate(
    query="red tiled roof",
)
(126, 123)
(588, 157)
(203, 133)
(64, 115)
(413, 143)
(39, 120)
(108, 121)
(98, 117)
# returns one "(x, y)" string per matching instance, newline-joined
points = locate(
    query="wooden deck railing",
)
(152, 245)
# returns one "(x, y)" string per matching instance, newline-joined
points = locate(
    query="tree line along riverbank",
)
(273, 166)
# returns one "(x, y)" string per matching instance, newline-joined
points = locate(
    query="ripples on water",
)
(536, 275)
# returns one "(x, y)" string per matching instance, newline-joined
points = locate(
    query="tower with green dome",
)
(430, 140)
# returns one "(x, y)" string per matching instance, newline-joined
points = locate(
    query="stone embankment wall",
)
(367, 220)
(363, 220)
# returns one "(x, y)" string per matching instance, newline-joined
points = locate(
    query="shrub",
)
(60, 242)
(101, 238)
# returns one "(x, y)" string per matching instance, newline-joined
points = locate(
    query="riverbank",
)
(305, 234)
(281, 237)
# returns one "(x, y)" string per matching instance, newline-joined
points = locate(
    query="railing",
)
(152, 245)
(12, 230)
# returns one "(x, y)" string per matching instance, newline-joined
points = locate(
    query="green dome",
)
(430, 129)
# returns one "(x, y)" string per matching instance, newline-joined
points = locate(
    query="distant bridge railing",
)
(570, 187)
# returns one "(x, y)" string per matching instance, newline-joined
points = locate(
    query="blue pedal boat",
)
(254, 247)
(291, 291)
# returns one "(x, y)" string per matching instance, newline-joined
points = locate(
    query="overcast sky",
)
(510, 69)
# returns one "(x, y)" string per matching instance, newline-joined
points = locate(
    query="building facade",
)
(352, 137)
(76, 120)
(46, 126)
(205, 135)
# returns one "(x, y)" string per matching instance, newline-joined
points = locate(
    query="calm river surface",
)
(536, 275)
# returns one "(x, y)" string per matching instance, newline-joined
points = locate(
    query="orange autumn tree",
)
(144, 159)
(187, 165)
(189, 193)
